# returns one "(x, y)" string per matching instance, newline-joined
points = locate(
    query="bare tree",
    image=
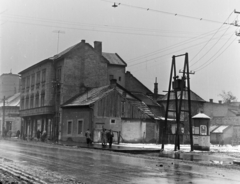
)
(228, 97)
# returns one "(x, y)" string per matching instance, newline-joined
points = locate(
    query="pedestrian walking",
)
(44, 136)
(110, 138)
(38, 134)
(88, 137)
(104, 137)
(18, 134)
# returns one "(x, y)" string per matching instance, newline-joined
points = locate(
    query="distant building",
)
(9, 85)
(225, 122)
(53, 81)
(196, 106)
(12, 117)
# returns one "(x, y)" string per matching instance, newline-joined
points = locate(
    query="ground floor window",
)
(80, 126)
(69, 127)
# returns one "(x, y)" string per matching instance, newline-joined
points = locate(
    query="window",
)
(26, 103)
(31, 101)
(23, 84)
(119, 78)
(22, 104)
(69, 127)
(122, 108)
(28, 82)
(80, 126)
(38, 77)
(112, 121)
(43, 75)
(33, 79)
(59, 72)
(37, 100)
(42, 99)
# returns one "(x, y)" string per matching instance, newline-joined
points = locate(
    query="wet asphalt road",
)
(99, 167)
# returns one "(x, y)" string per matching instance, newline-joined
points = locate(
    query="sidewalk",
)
(124, 148)
(216, 155)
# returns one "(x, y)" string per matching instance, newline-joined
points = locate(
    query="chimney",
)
(83, 41)
(155, 90)
(220, 101)
(113, 82)
(211, 100)
(98, 47)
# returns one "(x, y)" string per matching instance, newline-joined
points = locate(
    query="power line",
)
(95, 30)
(206, 63)
(87, 24)
(165, 12)
(166, 54)
(170, 47)
(209, 41)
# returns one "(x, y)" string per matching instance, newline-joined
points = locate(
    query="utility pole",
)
(178, 88)
(3, 116)
(57, 87)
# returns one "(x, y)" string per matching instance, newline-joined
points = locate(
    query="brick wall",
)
(75, 114)
(118, 73)
(83, 67)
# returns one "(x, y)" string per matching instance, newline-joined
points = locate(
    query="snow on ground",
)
(184, 148)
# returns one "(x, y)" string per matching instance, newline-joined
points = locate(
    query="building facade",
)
(51, 82)
(109, 107)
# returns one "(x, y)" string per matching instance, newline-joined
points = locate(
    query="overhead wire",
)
(207, 63)
(164, 12)
(86, 24)
(208, 42)
(166, 54)
(95, 30)
(170, 47)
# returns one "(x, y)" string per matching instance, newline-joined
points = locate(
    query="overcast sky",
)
(146, 34)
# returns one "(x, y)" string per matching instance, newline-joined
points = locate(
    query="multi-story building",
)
(51, 82)
(9, 85)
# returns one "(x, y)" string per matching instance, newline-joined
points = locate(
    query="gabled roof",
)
(201, 116)
(114, 59)
(13, 100)
(140, 83)
(95, 94)
(63, 52)
(193, 96)
(220, 129)
(146, 99)
(213, 127)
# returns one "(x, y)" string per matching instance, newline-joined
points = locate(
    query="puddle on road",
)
(196, 158)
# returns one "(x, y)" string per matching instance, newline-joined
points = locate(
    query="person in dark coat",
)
(38, 134)
(88, 137)
(18, 134)
(44, 136)
(110, 138)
